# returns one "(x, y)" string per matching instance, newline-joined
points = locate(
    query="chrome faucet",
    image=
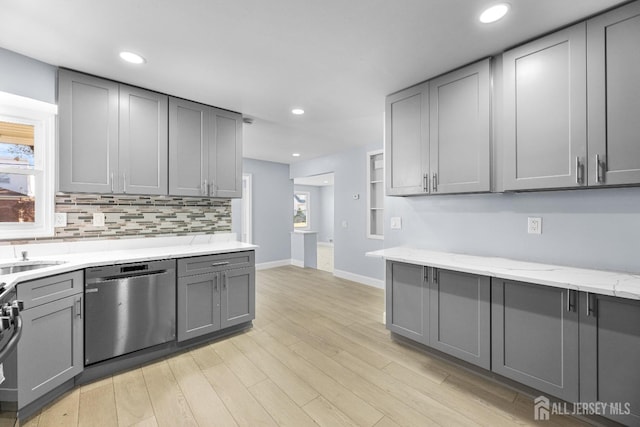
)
(25, 256)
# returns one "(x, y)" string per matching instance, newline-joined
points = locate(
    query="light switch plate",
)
(396, 223)
(345, 224)
(98, 219)
(60, 219)
(534, 225)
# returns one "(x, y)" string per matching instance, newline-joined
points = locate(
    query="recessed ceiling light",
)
(296, 154)
(494, 13)
(325, 182)
(297, 111)
(133, 58)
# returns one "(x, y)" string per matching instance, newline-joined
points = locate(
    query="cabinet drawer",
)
(47, 289)
(212, 263)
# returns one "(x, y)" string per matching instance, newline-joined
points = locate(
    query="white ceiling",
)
(337, 59)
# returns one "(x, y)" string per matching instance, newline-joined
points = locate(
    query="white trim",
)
(365, 280)
(273, 264)
(297, 263)
(246, 210)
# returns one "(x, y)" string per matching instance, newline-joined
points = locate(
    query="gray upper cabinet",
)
(609, 349)
(144, 142)
(407, 300)
(88, 133)
(545, 112)
(407, 141)
(205, 150)
(460, 316)
(534, 333)
(188, 148)
(613, 63)
(460, 130)
(113, 138)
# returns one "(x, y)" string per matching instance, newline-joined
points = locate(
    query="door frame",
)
(246, 209)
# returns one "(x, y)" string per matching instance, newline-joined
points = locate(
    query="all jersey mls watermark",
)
(543, 408)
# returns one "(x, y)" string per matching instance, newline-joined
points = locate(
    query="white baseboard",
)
(273, 264)
(297, 263)
(365, 280)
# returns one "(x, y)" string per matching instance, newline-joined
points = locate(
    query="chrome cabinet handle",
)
(425, 183)
(570, 306)
(124, 182)
(579, 171)
(79, 307)
(590, 308)
(112, 182)
(214, 189)
(435, 276)
(215, 286)
(426, 274)
(434, 182)
(217, 264)
(224, 280)
(600, 165)
(204, 190)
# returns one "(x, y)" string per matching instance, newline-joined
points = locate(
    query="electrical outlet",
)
(98, 219)
(60, 219)
(534, 225)
(396, 223)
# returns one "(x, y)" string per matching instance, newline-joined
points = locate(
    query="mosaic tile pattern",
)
(139, 216)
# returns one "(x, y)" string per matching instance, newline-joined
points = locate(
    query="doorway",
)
(319, 214)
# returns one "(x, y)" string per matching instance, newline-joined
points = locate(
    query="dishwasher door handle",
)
(128, 276)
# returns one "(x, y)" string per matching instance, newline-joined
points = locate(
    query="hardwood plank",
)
(244, 369)
(96, 384)
(327, 415)
(205, 404)
(169, 403)
(205, 356)
(149, 422)
(98, 406)
(281, 408)
(62, 412)
(132, 398)
(297, 389)
(240, 402)
(344, 399)
(387, 422)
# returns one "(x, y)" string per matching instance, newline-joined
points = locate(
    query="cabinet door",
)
(225, 159)
(460, 316)
(51, 347)
(535, 336)
(198, 305)
(613, 64)
(144, 145)
(407, 141)
(238, 297)
(545, 112)
(189, 138)
(609, 350)
(407, 300)
(460, 148)
(88, 135)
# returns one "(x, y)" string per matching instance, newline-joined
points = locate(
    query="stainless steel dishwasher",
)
(128, 307)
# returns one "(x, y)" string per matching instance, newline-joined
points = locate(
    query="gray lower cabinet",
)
(112, 138)
(534, 335)
(407, 300)
(545, 117)
(460, 141)
(407, 141)
(50, 351)
(205, 150)
(613, 67)
(609, 352)
(460, 316)
(214, 293)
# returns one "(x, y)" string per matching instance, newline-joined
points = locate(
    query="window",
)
(27, 175)
(301, 218)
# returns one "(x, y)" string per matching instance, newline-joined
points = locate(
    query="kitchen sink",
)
(17, 267)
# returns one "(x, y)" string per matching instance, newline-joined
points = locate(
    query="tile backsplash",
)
(139, 216)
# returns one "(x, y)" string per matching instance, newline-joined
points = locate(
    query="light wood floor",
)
(318, 355)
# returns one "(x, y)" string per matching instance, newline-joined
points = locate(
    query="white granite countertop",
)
(78, 255)
(617, 284)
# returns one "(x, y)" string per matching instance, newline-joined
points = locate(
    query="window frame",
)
(308, 204)
(42, 116)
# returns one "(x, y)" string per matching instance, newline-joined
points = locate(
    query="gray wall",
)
(350, 243)
(597, 228)
(27, 77)
(272, 209)
(325, 231)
